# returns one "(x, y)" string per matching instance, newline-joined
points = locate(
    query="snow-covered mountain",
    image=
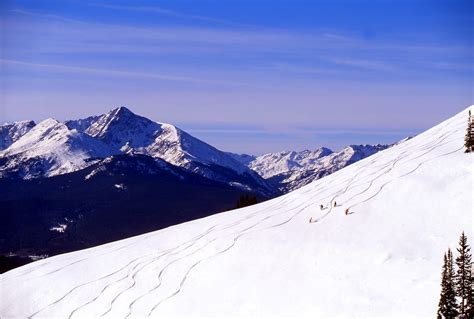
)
(11, 132)
(272, 164)
(53, 148)
(290, 170)
(406, 204)
(50, 148)
(297, 177)
(128, 132)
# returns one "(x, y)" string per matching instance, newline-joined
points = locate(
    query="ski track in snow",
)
(250, 229)
(298, 212)
(193, 251)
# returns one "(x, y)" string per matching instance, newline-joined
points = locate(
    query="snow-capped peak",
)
(127, 132)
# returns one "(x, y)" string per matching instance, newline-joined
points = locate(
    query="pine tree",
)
(442, 297)
(447, 307)
(470, 300)
(463, 279)
(469, 138)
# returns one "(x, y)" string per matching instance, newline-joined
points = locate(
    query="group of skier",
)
(321, 206)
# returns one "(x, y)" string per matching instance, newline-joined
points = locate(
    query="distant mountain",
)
(297, 177)
(290, 170)
(272, 164)
(52, 148)
(113, 198)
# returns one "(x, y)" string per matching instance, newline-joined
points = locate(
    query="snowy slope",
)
(11, 132)
(408, 204)
(49, 149)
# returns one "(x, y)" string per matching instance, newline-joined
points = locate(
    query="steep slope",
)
(407, 205)
(11, 132)
(49, 149)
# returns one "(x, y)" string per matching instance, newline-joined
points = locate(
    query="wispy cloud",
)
(166, 12)
(100, 37)
(43, 15)
(106, 72)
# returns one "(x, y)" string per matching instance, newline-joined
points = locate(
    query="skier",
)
(335, 204)
(321, 206)
(310, 220)
(347, 211)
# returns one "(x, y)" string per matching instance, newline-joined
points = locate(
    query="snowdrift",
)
(406, 204)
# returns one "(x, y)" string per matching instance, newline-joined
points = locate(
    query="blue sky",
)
(248, 76)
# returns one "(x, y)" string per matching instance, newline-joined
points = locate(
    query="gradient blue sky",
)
(248, 76)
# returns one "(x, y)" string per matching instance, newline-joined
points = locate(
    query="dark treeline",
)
(456, 299)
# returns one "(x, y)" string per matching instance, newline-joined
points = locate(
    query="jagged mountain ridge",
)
(290, 170)
(120, 131)
(325, 165)
(272, 164)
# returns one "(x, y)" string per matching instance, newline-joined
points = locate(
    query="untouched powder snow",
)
(407, 204)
